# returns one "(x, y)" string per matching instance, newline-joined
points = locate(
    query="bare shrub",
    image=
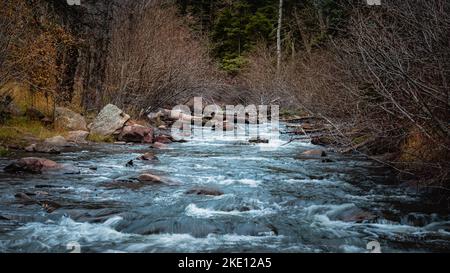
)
(382, 85)
(155, 60)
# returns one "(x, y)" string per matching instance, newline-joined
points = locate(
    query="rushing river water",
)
(274, 200)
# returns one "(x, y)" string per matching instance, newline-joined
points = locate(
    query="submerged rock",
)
(150, 178)
(69, 120)
(351, 214)
(159, 145)
(205, 191)
(32, 165)
(129, 164)
(109, 120)
(321, 153)
(148, 157)
(24, 198)
(258, 140)
(48, 205)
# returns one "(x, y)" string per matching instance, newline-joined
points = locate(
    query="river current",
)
(274, 200)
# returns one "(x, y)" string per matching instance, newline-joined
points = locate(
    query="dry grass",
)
(24, 98)
(17, 130)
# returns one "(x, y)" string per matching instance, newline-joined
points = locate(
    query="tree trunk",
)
(280, 19)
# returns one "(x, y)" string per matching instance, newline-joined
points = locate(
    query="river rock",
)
(49, 206)
(163, 139)
(57, 141)
(351, 214)
(24, 198)
(69, 120)
(159, 145)
(204, 191)
(109, 120)
(148, 157)
(258, 140)
(43, 148)
(315, 152)
(77, 136)
(136, 133)
(150, 179)
(32, 165)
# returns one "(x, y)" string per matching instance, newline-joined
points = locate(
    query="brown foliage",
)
(387, 77)
(155, 60)
(32, 48)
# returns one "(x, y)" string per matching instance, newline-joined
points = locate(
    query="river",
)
(274, 200)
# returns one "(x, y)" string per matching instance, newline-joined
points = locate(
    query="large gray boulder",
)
(69, 120)
(108, 121)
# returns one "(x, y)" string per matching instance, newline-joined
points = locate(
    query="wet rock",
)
(77, 136)
(205, 191)
(32, 165)
(129, 164)
(179, 140)
(258, 140)
(136, 133)
(70, 169)
(244, 209)
(43, 148)
(38, 193)
(163, 139)
(128, 184)
(150, 179)
(159, 145)
(50, 206)
(351, 214)
(148, 157)
(120, 143)
(109, 120)
(327, 160)
(321, 153)
(24, 198)
(69, 120)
